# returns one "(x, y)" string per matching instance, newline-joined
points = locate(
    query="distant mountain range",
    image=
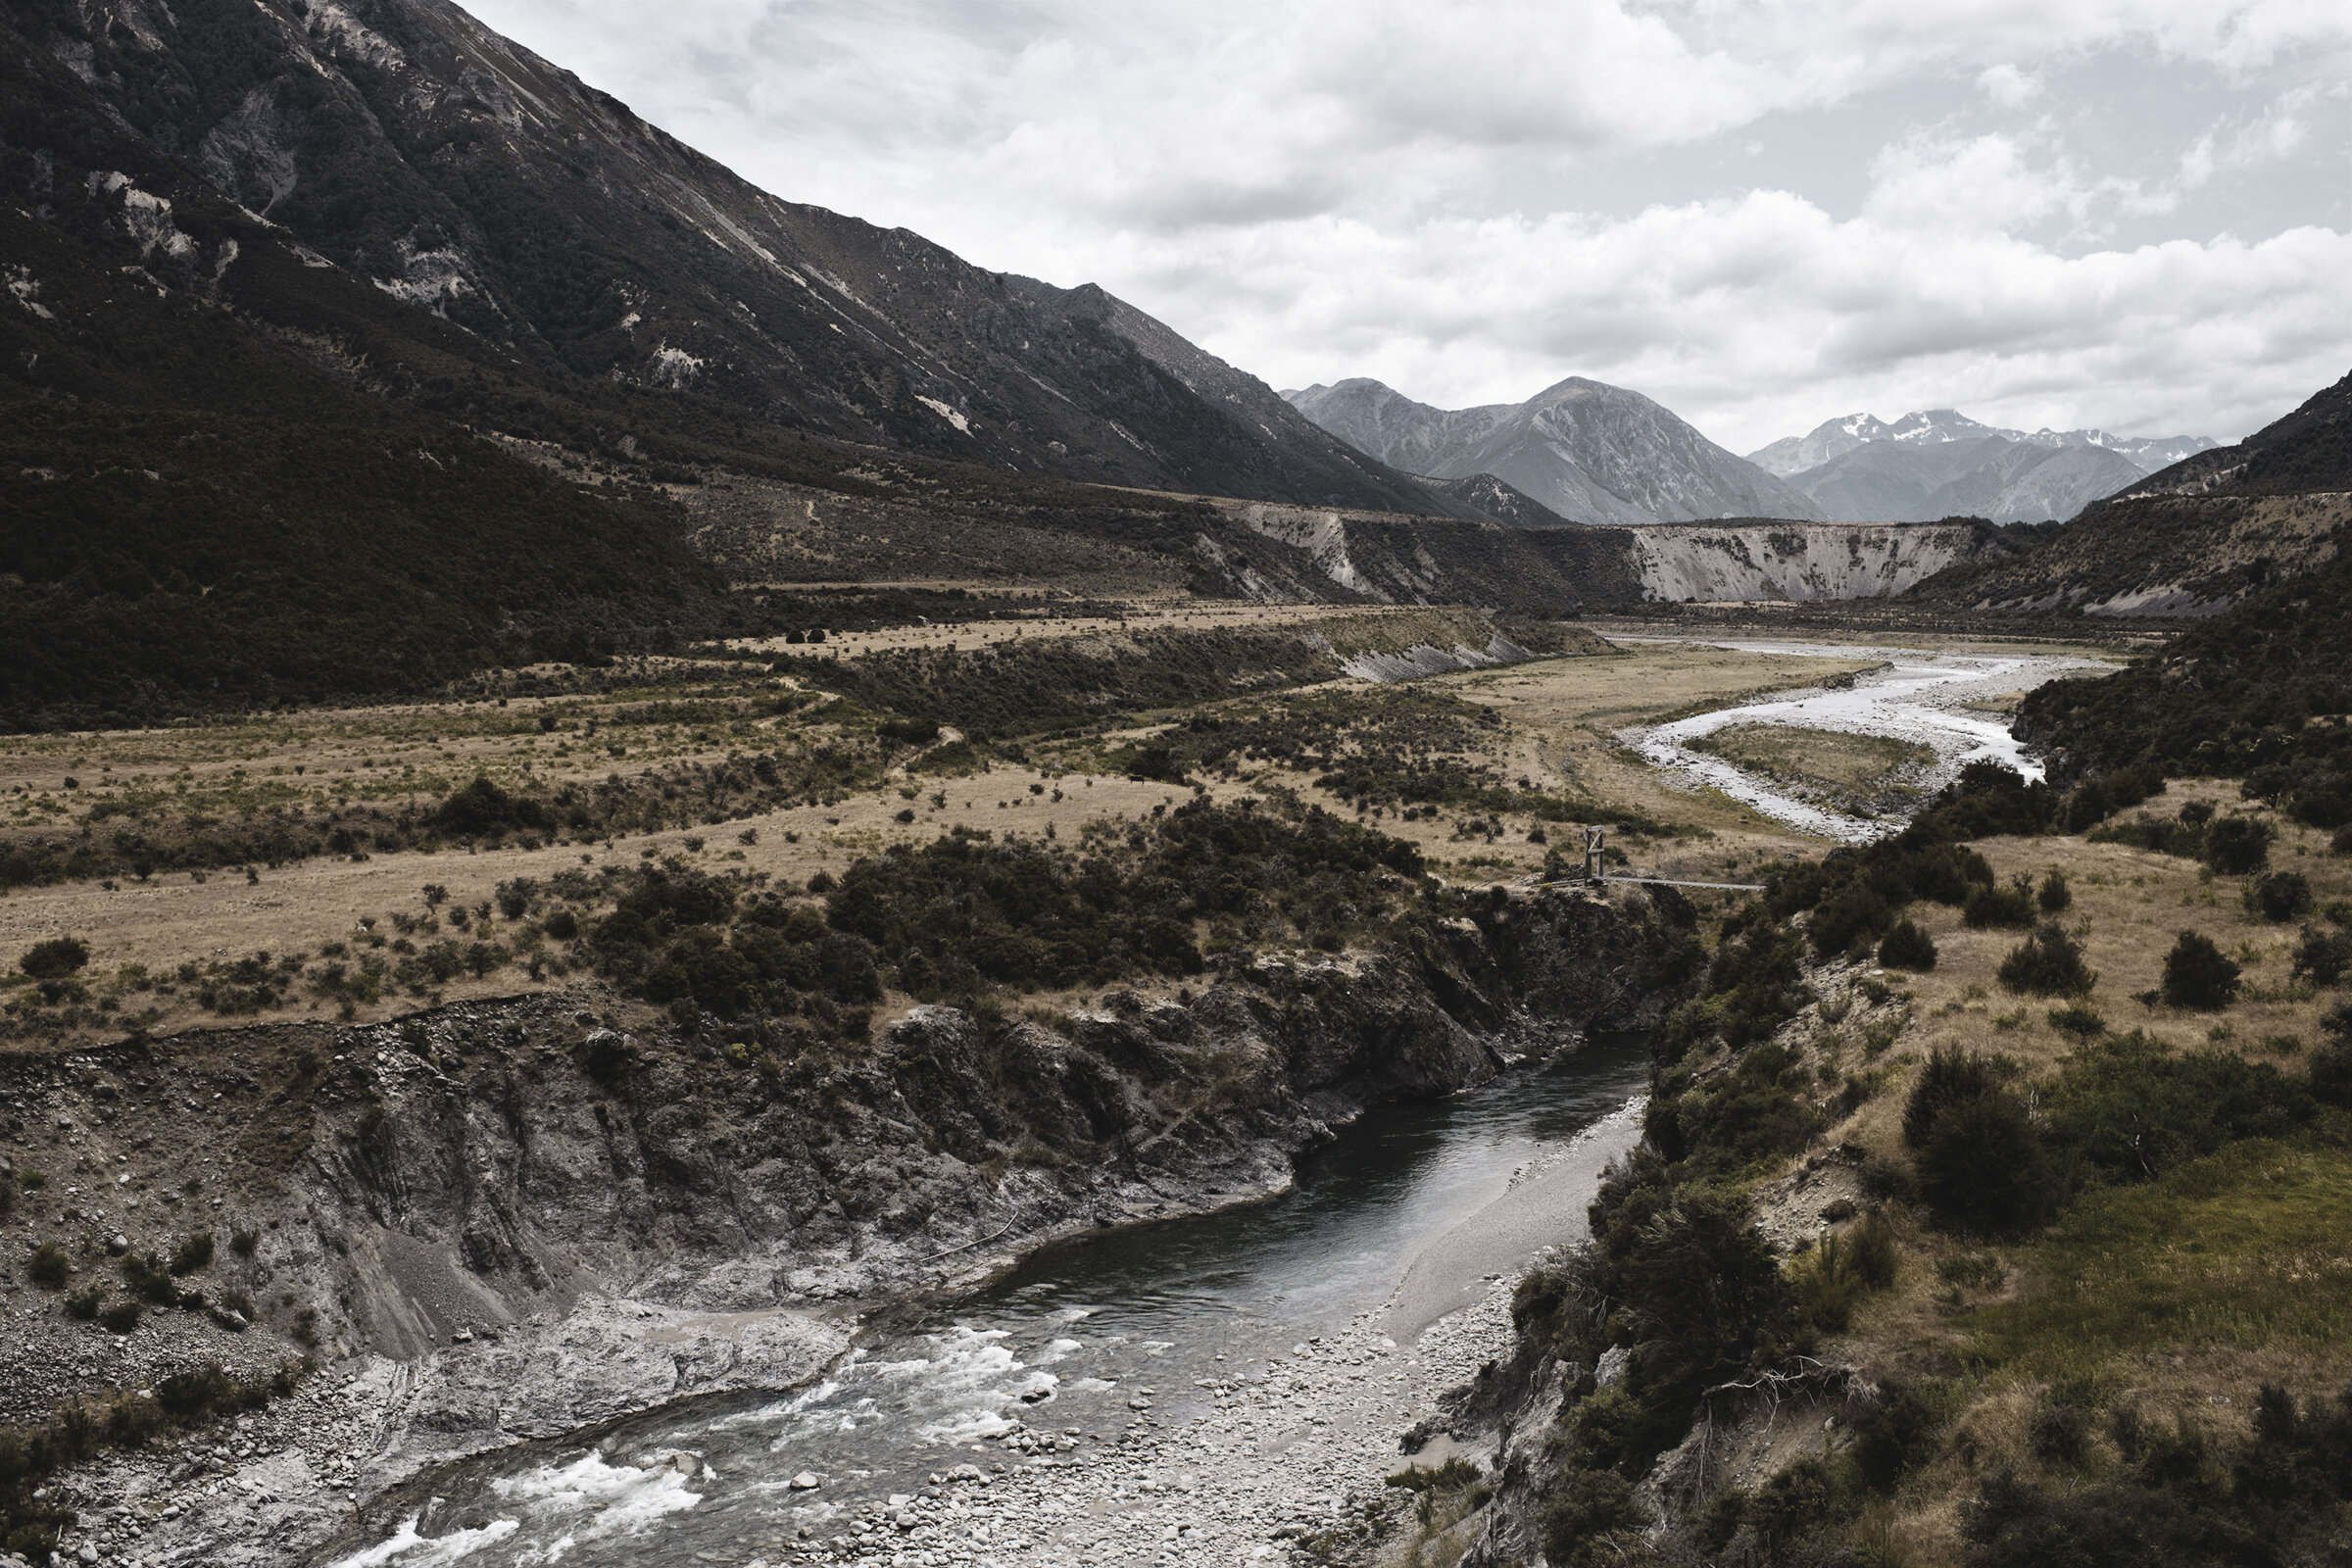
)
(1940, 463)
(1586, 451)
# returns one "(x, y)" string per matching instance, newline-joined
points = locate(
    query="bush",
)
(2322, 956)
(2279, 896)
(122, 1317)
(83, 1304)
(1951, 1077)
(48, 1267)
(2055, 897)
(193, 1254)
(1841, 1270)
(2331, 1071)
(2132, 1111)
(2197, 975)
(2237, 845)
(1998, 907)
(2047, 964)
(1907, 946)
(2084, 1023)
(1590, 1506)
(55, 958)
(1983, 1170)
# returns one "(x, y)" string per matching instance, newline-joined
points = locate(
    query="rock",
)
(804, 1481)
(116, 1245)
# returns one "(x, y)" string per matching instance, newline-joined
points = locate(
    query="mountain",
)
(1590, 452)
(278, 172)
(1987, 476)
(1940, 463)
(2191, 540)
(2307, 450)
(1834, 438)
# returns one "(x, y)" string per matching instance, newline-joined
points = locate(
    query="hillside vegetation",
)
(160, 558)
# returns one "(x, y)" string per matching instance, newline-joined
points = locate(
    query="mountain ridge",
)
(1590, 452)
(401, 152)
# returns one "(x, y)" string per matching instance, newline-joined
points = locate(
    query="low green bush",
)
(2279, 896)
(1907, 946)
(2237, 845)
(48, 1266)
(1998, 908)
(55, 958)
(2047, 964)
(2198, 975)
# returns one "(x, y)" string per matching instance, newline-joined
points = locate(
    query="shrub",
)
(2279, 896)
(1590, 1506)
(122, 1317)
(2331, 1071)
(1998, 907)
(2047, 964)
(2196, 974)
(2237, 845)
(1983, 1170)
(2055, 897)
(1841, 1270)
(1951, 1078)
(193, 1254)
(83, 1304)
(1907, 946)
(2324, 956)
(2082, 1022)
(48, 1266)
(55, 958)
(2130, 1108)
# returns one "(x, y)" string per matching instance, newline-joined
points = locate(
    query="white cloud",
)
(2007, 86)
(1301, 188)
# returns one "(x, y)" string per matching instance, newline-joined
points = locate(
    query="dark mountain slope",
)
(2309, 449)
(150, 563)
(2262, 691)
(2195, 538)
(443, 168)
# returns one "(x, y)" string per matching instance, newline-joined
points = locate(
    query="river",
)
(1922, 697)
(1072, 1339)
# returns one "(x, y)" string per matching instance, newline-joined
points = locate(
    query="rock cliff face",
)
(1715, 563)
(516, 1219)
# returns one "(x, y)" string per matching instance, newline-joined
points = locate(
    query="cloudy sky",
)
(2132, 214)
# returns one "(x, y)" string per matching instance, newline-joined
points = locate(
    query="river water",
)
(1922, 697)
(1064, 1342)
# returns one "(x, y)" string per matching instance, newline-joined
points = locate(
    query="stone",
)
(804, 1481)
(116, 1245)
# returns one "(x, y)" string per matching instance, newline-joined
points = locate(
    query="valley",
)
(686, 880)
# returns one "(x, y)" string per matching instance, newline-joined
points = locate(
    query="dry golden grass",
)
(2180, 1296)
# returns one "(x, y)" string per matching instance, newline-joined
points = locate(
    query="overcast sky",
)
(2132, 214)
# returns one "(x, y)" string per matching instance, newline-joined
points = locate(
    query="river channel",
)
(1923, 696)
(1070, 1341)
